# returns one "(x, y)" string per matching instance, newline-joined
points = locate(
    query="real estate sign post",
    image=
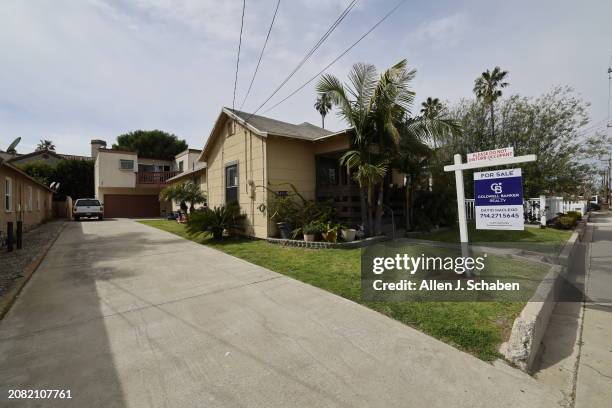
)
(490, 158)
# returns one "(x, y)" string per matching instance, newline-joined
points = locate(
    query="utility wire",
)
(339, 56)
(261, 55)
(309, 54)
(239, 46)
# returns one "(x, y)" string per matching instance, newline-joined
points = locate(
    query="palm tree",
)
(372, 105)
(323, 105)
(432, 109)
(487, 88)
(185, 192)
(45, 145)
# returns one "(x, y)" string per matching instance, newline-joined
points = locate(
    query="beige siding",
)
(40, 210)
(248, 151)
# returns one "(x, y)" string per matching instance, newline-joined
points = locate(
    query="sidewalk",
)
(594, 377)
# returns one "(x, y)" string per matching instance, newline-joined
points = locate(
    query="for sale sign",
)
(499, 199)
(490, 154)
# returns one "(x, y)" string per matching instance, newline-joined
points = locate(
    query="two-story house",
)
(128, 185)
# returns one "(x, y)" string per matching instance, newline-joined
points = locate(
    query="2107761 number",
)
(39, 394)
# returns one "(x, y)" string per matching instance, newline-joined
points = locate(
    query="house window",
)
(37, 200)
(126, 164)
(29, 199)
(231, 128)
(8, 194)
(231, 183)
(181, 167)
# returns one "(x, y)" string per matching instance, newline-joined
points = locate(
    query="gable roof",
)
(264, 126)
(275, 127)
(49, 153)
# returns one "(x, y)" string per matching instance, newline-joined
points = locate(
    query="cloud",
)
(442, 32)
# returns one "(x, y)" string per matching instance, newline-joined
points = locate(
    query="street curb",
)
(530, 326)
(7, 301)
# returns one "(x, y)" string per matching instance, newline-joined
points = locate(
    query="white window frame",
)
(29, 199)
(8, 194)
(121, 161)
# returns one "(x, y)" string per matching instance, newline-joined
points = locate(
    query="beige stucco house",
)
(23, 198)
(248, 156)
(129, 185)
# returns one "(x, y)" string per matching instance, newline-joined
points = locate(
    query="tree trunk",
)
(323, 121)
(408, 212)
(364, 210)
(379, 209)
(493, 125)
(369, 210)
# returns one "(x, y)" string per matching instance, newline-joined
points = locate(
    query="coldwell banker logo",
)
(497, 188)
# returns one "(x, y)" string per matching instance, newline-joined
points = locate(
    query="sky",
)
(72, 71)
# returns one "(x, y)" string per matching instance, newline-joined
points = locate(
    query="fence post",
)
(542, 211)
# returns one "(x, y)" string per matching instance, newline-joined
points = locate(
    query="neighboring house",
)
(23, 198)
(249, 155)
(49, 157)
(129, 185)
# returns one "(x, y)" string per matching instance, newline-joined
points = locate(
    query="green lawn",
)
(540, 237)
(475, 327)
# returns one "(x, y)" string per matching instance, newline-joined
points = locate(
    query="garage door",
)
(130, 206)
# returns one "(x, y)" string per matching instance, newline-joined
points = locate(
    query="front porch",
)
(334, 184)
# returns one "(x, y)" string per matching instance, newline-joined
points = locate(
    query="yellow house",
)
(23, 198)
(248, 156)
(197, 175)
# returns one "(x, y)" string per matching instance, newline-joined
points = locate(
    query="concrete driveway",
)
(125, 315)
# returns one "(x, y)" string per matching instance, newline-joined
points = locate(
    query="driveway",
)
(125, 315)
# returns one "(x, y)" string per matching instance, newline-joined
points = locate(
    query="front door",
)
(231, 183)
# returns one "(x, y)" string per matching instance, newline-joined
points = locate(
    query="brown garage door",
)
(130, 206)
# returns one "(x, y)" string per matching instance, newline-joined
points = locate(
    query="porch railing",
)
(154, 177)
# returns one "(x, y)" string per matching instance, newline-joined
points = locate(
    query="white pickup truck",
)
(87, 207)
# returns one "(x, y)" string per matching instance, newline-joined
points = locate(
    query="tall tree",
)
(372, 105)
(151, 143)
(45, 145)
(487, 88)
(323, 105)
(550, 126)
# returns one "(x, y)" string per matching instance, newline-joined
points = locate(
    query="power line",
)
(309, 54)
(339, 56)
(239, 46)
(261, 55)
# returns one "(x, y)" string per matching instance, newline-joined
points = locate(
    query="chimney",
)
(96, 145)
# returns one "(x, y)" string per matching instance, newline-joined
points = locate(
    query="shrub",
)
(433, 208)
(565, 222)
(224, 218)
(574, 214)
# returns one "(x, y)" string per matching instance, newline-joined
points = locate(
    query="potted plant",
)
(310, 231)
(284, 210)
(348, 234)
(330, 233)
